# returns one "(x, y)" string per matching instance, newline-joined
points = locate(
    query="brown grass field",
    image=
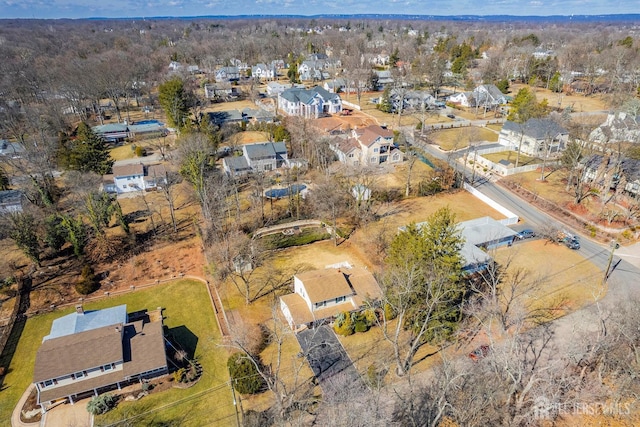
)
(455, 139)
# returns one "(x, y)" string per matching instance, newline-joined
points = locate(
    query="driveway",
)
(67, 415)
(330, 363)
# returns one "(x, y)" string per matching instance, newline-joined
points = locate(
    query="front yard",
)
(456, 139)
(186, 307)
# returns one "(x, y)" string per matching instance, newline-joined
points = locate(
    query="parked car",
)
(525, 234)
(479, 353)
(571, 242)
(451, 116)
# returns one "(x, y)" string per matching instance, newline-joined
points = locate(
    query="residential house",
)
(227, 74)
(134, 177)
(384, 79)
(609, 172)
(11, 201)
(488, 96)
(620, 127)
(313, 70)
(311, 103)
(90, 352)
(464, 99)
(112, 132)
(535, 137)
(11, 149)
(320, 295)
(258, 115)
(276, 88)
(479, 235)
(374, 144)
(348, 151)
(264, 72)
(221, 90)
(236, 166)
(411, 100)
(265, 156)
(260, 157)
(221, 118)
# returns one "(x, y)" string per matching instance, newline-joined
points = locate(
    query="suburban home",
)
(227, 74)
(411, 100)
(610, 172)
(368, 146)
(313, 70)
(310, 104)
(221, 90)
(479, 235)
(535, 137)
(276, 88)
(11, 149)
(620, 127)
(11, 201)
(220, 118)
(87, 353)
(112, 132)
(264, 72)
(320, 295)
(134, 177)
(464, 99)
(384, 79)
(260, 157)
(258, 115)
(236, 166)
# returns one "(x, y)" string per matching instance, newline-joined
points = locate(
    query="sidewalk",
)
(15, 416)
(630, 254)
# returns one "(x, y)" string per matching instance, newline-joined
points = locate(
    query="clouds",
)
(138, 8)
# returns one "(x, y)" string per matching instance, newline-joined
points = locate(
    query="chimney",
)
(79, 309)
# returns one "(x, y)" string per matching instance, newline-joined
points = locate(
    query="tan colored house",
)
(368, 146)
(88, 353)
(322, 294)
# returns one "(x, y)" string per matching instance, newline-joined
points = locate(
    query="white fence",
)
(499, 169)
(510, 219)
(350, 105)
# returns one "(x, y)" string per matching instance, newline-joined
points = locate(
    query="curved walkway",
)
(280, 227)
(15, 416)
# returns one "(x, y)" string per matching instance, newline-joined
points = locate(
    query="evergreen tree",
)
(86, 153)
(23, 231)
(385, 102)
(174, 100)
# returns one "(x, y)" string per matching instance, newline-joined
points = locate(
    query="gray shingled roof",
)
(306, 95)
(536, 128)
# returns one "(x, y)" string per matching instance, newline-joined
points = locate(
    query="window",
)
(108, 367)
(373, 160)
(340, 299)
(47, 383)
(77, 375)
(375, 150)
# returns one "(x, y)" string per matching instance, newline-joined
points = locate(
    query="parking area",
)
(330, 363)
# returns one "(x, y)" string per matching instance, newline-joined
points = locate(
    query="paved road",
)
(623, 279)
(330, 363)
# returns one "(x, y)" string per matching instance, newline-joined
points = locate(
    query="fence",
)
(500, 169)
(510, 219)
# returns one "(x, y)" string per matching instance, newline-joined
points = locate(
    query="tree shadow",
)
(183, 338)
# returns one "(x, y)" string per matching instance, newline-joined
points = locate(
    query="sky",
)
(149, 8)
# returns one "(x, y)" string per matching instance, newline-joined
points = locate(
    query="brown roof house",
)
(129, 178)
(370, 145)
(322, 294)
(87, 353)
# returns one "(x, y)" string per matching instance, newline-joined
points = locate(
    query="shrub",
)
(101, 404)
(343, 324)
(389, 313)
(87, 282)
(245, 376)
(140, 152)
(179, 375)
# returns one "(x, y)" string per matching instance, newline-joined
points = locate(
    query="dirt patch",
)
(578, 103)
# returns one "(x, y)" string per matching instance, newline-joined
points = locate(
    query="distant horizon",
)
(163, 9)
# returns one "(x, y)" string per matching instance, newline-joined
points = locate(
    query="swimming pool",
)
(148, 122)
(278, 193)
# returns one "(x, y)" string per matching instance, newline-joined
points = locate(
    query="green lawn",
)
(455, 139)
(122, 152)
(186, 303)
(511, 156)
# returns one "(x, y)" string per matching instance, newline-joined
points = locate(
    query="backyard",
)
(456, 139)
(188, 317)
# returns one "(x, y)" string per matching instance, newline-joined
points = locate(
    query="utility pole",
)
(613, 245)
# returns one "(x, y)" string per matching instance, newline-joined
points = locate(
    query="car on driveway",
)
(525, 234)
(451, 116)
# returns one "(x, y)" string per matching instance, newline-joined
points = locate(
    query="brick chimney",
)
(79, 309)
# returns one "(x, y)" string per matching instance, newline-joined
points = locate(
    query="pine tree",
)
(174, 99)
(87, 153)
